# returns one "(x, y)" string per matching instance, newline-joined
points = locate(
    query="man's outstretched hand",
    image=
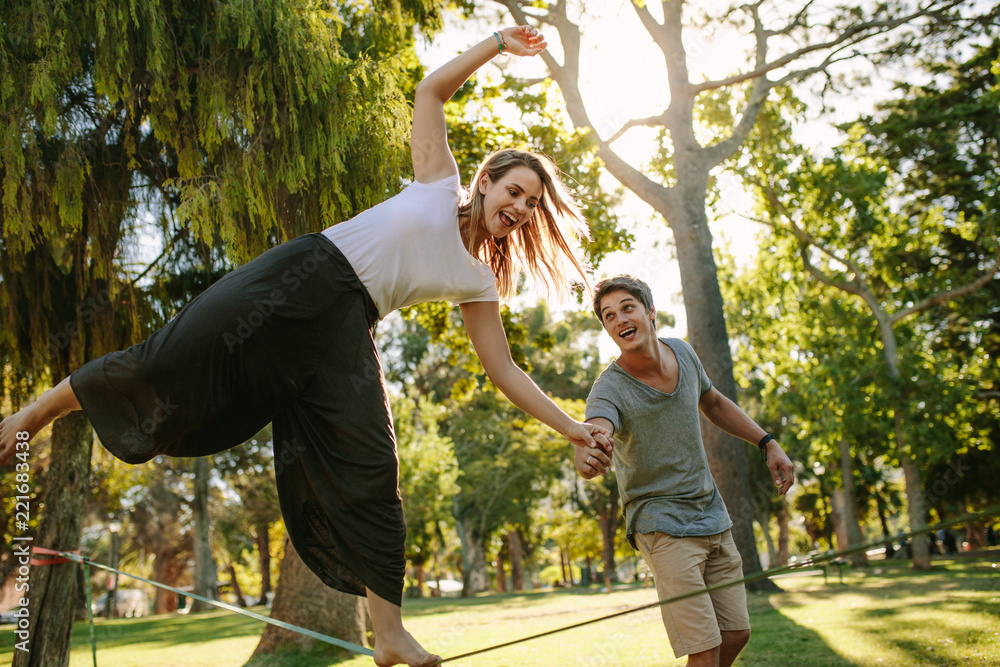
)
(780, 466)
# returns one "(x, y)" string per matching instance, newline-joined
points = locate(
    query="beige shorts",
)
(684, 564)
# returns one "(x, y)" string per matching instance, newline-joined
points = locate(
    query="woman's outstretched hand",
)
(591, 435)
(523, 40)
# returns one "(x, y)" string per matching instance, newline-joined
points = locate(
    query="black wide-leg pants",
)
(286, 338)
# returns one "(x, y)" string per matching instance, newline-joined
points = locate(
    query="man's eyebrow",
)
(623, 300)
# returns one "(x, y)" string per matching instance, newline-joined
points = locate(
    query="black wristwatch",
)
(762, 444)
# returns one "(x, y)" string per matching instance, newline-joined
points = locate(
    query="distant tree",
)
(507, 462)
(249, 472)
(805, 368)
(155, 526)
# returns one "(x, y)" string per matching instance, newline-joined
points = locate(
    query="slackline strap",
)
(818, 559)
(68, 556)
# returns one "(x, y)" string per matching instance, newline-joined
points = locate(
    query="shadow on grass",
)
(777, 640)
(927, 617)
(318, 656)
(172, 629)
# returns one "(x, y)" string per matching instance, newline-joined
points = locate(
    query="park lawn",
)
(885, 615)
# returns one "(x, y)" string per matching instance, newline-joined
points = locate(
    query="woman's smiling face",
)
(510, 201)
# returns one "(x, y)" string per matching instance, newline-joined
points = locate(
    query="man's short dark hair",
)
(627, 283)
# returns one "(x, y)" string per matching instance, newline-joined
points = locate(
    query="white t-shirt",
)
(409, 250)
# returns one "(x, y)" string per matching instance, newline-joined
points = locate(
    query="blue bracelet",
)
(499, 41)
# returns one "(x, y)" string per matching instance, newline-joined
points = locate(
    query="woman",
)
(287, 338)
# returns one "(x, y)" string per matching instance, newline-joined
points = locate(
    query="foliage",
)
(563, 354)
(428, 473)
(507, 462)
(237, 124)
(898, 346)
(247, 508)
(210, 130)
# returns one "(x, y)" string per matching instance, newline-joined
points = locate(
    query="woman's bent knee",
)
(134, 448)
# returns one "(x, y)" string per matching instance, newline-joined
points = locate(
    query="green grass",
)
(885, 615)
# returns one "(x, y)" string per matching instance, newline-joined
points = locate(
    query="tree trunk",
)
(303, 600)
(516, 552)
(850, 509)
(475, 578)
(917, 513)
(608, 522)
(237, 591)
(706, 324)
(264, 559)
(880, 507)
(205, 574)
(436, 592)
(783, 532)
(167, 568)
(772, 553)
(501, 572)
(419, 572)
(838, 519)
(52, 598)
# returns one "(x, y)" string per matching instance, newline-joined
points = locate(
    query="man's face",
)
(626, 320)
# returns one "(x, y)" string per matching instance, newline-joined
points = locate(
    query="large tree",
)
(705, 123)
(243, 123)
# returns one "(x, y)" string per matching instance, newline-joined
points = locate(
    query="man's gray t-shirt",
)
(663, 477)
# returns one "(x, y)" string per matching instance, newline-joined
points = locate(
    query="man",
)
(650, 398)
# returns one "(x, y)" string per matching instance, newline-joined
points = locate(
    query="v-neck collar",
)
(649, 386)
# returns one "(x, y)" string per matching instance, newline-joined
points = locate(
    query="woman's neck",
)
(464, 225)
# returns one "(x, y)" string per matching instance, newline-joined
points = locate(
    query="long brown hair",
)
(542, 247)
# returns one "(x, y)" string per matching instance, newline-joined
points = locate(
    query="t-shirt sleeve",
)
(485, 288)
(602, 402)
(704, 383)
(449, 183)
(488, 292)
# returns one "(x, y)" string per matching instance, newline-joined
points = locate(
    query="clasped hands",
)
(592, 456)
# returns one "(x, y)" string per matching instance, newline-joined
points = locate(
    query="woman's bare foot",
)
(393, 644)
(402, 649)
(30, 419)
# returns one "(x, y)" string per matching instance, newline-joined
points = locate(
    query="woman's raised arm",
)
(432, 158)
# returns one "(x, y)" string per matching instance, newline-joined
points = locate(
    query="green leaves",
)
(238, 123)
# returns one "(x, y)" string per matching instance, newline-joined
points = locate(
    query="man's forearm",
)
(733, 420)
